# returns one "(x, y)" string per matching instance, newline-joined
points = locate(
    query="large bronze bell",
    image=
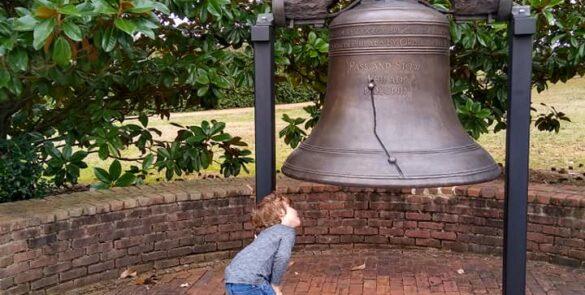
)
(388, 119)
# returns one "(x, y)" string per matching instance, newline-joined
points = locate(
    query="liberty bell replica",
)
(388, 119)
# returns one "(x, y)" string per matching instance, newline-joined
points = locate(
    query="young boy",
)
(258, 268)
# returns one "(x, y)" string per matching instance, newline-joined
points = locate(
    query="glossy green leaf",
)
(549, 16)
(203, 15)
(69, 9)
(146, 27)
(196, 139)
(42, 31)
(202, 91)
(54, 164)
(574, 41)
(62, 52)
(148, 161)
(312, 37)
(164, 152)
(221, 82)
(222, 137)
(214, 7)
(4, 77)
(143, 118)
(78, 156)
(127, 26)
(103, 152)
(205, 160)
(142, 6)
(72, 31)
(161, 7)
(67, 151)
(18, 59)
(26, 23)
(15, 86)
(22, 11)
(102, 175)
(102, 6)
(109, 39)
(217, 127)
(202, 77)
(115, 170)
(100, 186)
(126, 180)
(112, 149)
(553, 3)
(73, 173)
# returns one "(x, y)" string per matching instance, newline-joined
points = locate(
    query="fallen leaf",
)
(140, 282)
(359, 267)
(296, 273)
(185, 285)
(460, 271)
(146, 281)
(291, 263)
(128, 273)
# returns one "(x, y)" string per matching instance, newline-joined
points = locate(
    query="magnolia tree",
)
(73, 72)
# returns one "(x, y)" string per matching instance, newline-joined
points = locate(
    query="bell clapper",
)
(391, 160)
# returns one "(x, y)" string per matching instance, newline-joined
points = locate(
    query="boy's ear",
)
(282, 213)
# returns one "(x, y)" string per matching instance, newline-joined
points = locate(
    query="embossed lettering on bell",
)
(403, 131)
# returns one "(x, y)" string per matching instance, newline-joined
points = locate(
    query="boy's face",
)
(291, 217)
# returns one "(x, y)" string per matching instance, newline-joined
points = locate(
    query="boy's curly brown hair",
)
(270, 210)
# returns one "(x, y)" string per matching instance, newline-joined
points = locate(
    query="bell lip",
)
(399, 183)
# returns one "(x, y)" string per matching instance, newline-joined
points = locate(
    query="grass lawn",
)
(547, 149)
(552, 149)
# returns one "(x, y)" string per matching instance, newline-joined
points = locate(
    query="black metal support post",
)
(263, 41)
(521, 29)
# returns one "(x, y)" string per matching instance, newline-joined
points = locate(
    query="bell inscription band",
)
(388, 119)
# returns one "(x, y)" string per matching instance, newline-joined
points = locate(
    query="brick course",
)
(65, 242)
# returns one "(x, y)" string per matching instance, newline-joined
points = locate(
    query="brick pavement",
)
(387, 271)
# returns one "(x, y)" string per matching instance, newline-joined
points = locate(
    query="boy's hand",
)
(277, 290)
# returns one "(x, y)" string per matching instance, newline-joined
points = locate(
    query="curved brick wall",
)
(63, 242)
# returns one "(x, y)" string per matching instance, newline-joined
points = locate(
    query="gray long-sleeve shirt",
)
(265, 259)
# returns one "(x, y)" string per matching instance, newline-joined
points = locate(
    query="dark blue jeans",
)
(245, 289)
